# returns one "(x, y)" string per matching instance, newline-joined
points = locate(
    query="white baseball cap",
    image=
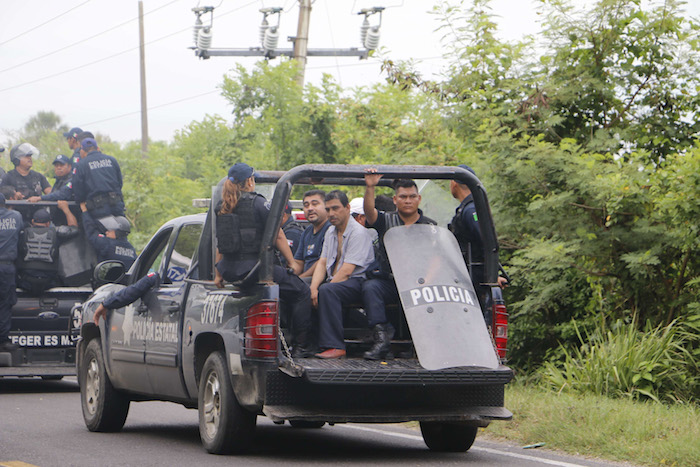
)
(357, 206)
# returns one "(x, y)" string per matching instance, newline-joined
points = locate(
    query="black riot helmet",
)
(21, 150)
(119, 224)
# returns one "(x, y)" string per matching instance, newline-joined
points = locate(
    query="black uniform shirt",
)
(230, 267)
(62, 189)
(97, 173)
(33, 184)
(10, 227)
(380, 225)
(109, 248)
(130, 294)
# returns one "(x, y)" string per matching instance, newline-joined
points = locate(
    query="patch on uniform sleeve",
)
(69, 185)
(476, 219)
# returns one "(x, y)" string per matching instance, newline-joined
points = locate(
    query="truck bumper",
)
(27, 362)
(385, 392)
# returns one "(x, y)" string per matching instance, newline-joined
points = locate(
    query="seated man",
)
(311, 241)
(62, 188)
(38, 259)
(380, 289)
(292, 230)
(340, 271)
(109, 238)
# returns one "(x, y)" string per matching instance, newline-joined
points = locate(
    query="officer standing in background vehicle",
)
(38, 259)
(113, 243)
(26, 181)
(97, 183)
(10, 227)
(62, 188)
(2, 171)
(74, 143)
(465, 227)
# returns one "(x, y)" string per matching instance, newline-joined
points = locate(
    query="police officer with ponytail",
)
(240, 221)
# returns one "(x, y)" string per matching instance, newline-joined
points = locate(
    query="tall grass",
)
(621, 361)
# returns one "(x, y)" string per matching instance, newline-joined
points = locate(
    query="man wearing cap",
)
(465, 227)
(380, 289)
(62, 188)
(97, 182)
(38, 257)
(311, 241)
(74, 143)
(26, 181)
(10, 227)
(108, 236)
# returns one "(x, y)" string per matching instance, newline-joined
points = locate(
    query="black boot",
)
(302, 347)
(381, 350)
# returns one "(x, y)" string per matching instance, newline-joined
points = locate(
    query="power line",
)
(83, 40)
(28, 30)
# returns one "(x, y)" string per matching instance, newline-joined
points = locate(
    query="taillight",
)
(500, 329)
(261, 331)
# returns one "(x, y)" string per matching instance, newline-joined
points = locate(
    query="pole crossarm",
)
(260, 52)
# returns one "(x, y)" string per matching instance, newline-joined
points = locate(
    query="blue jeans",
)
(331, 297)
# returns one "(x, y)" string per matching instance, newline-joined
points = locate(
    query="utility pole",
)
(144, 106)
(301, 42)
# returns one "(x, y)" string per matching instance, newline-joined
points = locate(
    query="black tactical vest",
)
(237, 234)
(40, 248)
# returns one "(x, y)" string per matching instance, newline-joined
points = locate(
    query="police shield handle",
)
(438, 298)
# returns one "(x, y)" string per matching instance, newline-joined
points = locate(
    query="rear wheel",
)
(447, 437)
(306, 424)
(224, 426)
(104, 408)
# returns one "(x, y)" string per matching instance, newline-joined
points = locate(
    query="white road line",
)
(474, 448)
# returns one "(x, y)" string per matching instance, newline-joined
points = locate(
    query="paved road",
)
(41, 424)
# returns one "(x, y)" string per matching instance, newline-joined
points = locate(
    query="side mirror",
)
(109, 272)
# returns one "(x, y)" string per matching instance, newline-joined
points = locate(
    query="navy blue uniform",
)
(75, 158)
(465, 226)
(62, 189)
(311, 245)
(293, 291)
(98, 183)
(380, 289)
(130, 294)
(109, 248)
(293, 232)
(10, 227)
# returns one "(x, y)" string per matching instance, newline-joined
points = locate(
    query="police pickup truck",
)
(43, 324)
(224, 351)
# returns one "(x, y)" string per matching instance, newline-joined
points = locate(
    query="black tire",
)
(306, 424)
(224, 426)
(104, 408)
(448, 437)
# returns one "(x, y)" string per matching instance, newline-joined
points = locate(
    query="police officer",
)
(74, 143)
(465, 227)
(26, 181)
(38, 259)
(292, 230)
(97, 182)
(240, 222)
(10, 227)
(127, 295)
(62, 188)
(108, 236)
(2, 171)
(380, 289)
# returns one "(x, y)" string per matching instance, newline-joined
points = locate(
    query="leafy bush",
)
(622, 361)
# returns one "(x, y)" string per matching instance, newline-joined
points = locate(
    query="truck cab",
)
(225, 352)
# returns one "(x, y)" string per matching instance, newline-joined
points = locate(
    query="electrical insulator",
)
(363, 30)
(263, 27)
(272, 36)
(372, 39)
(197, 27)
(204, 39)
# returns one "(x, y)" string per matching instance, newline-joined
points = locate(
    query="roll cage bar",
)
(353, 175)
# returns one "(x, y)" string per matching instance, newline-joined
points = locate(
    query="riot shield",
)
(438, 298)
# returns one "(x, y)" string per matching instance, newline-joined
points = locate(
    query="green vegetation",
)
(585, 137)
(617, 429)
